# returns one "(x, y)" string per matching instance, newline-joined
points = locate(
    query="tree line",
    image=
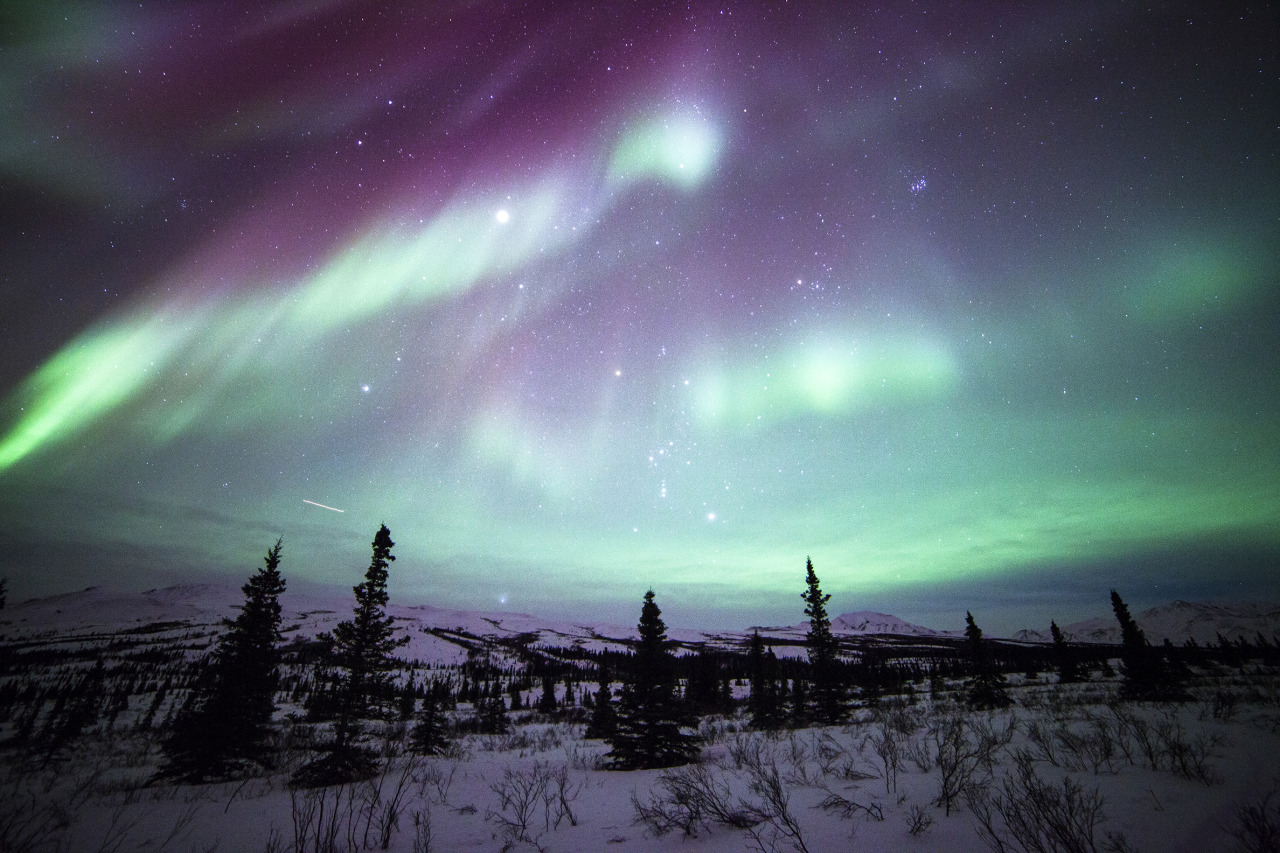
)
(224, 728)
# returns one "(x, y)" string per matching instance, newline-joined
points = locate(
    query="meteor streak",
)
(322, 506)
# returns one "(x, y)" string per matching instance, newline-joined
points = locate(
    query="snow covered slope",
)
(443, 635)
(1177, 621)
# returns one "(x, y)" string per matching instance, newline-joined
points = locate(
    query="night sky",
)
(974, 304)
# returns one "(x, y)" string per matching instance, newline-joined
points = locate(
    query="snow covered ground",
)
(539, 788)
(1068, 767)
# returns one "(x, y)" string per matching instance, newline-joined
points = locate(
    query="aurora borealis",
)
(974, 304)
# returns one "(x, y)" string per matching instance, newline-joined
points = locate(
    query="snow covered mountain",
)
(435, 633)
(1177, 621)
(446, 636)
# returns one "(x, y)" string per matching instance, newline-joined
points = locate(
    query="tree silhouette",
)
(226, 721)
(492, 713)
(603, 722)
(987, 685)
(828, 692)
(547, 702)
(764, 705)
(1068, 665)
(649, 717)
(362, 647)
(361, 657)
(428, 736)
(1148, 675)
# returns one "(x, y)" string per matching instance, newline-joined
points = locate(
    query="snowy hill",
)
(435, 634)
(868, 622)
(860, 623)
(446, 636)
(1177, 621)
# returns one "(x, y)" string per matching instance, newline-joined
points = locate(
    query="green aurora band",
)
(544, 371)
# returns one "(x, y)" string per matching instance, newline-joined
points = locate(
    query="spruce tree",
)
(1134, 653)
(547, 702)
(493, 715)
(986, 686)
(649, 718)
(1068, 666)
(763, 703)
(362, 647)
(428, 736)
(362, 686)
(226, 721)
(603, 722)
(798, 708)
(4, 592)
(828, 692)
(1147, 674)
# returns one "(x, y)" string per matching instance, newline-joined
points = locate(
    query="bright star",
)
(503, 216)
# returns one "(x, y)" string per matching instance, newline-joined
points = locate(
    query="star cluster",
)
(968, 304)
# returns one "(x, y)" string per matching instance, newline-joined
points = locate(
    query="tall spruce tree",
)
(986, 685)
(1064, 656)
(362, 648)
(1135, 652)
(649, 717)
(828, 691)
(603, 722)
(547, 702)
(764, 705)
(1148, 674)
(225, 723)
(429, 735)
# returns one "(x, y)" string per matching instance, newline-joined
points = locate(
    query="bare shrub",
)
(1028, 814)
(354, 815)
(692, 797)
(1189, 756)
(114, 835)
(774, 799)
(887, 745)
(1134, 736)
(1044, 744)
(584, 757)
(275, 842)
(902, 719)
(918, 820)
(434, 781)
(696, 797)
(318, 814)
(519, 793)
(182, 826)
(917, 749)
(422, 829)
(749, 751)
(967, 749)
(30, 821)
(384, 810)
(849, 809)
(797, 749)
(1255, 826)
(558, 797)
(1092, 749)
(714, 729)
(1222, 704)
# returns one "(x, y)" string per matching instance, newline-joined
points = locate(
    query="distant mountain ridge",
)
(859, 623)
(1177, 621)
(307, 614)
